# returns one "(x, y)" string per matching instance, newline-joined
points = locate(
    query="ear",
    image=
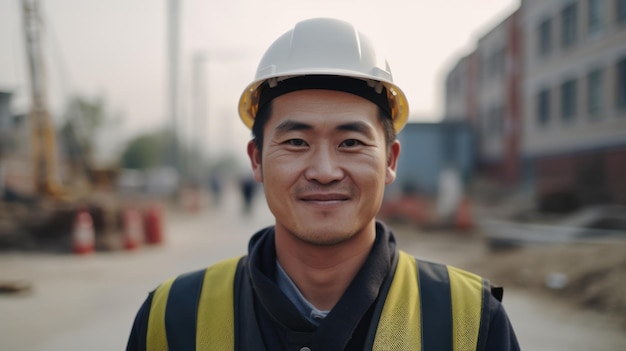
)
(255, 161)
(392, 162)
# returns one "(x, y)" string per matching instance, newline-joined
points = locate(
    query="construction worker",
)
(324, 114)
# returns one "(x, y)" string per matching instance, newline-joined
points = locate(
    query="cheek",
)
(367, 166)
(280, 169)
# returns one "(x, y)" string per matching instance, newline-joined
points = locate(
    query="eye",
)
(296, 142)
(351, 143)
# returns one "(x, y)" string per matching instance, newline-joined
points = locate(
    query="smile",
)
(325, 198)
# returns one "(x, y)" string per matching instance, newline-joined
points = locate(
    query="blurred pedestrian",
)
(247, 186)
(215, 184)
(324, 114)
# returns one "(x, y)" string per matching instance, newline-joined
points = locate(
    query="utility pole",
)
(199, 111)
(201, 63)
(43, 141)
(173, 80)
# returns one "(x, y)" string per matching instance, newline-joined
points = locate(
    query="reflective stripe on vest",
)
(212, 319)
(443, 303)
(447, 312)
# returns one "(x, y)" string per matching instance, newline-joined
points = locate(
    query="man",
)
(324, 113)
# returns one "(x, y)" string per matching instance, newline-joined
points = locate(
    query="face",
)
(324, 165)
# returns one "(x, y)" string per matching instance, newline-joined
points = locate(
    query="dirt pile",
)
(591, 276)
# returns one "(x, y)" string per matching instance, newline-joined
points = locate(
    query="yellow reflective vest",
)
(427, 307)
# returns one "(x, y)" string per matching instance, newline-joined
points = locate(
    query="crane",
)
(43, 132)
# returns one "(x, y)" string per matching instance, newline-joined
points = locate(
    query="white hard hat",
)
(324, 53)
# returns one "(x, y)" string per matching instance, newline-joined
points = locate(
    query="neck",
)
(323, 273)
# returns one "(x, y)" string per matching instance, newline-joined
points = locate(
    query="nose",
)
(323, 166)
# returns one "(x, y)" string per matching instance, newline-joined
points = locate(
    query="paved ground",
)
(88, 303)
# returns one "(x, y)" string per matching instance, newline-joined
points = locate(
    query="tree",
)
(86, 120)
(146, 151)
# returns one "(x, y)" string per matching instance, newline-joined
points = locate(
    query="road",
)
(89, 302)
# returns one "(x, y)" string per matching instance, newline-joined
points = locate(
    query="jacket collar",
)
(338, 326)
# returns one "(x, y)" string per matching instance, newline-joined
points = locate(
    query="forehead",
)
(327, 105)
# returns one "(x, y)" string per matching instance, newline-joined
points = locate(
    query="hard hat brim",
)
(398, 103)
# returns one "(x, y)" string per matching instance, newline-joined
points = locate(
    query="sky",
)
(117, 49)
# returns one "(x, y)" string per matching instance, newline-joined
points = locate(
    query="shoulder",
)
(500, 334)
(183, 291)
(137, 338)
(187, 287)
(467, 298)
(190, 281)
(458, 279)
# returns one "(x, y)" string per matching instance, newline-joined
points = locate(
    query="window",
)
(494, 64)
(569, 25)
(543, 107)
(594, 16)
(545, 37)
(621, 10)
(595, 93)
(485, 119)
(568, 100)
(621, 84)
(493, 121)
(484, 123)
(484, 69)
(500, 62)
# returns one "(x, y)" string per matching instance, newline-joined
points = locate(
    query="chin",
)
(326, 234)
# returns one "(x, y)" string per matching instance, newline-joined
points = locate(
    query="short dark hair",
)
(265, 112)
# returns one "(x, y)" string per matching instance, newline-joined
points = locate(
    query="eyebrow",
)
(290, 126)
(359, 127)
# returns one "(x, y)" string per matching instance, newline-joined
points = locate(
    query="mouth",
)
(323, 198)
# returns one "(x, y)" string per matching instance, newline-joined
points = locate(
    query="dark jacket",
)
(267, 320)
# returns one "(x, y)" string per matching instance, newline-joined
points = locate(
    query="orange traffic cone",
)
(83, 235)
(133, 229)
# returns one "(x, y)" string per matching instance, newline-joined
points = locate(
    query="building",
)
(484, 88)
(436, 162)
(546, 92)
(428, 148)
(575, 93)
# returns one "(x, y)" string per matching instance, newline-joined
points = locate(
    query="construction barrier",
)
(83, 233)
(153, 230)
